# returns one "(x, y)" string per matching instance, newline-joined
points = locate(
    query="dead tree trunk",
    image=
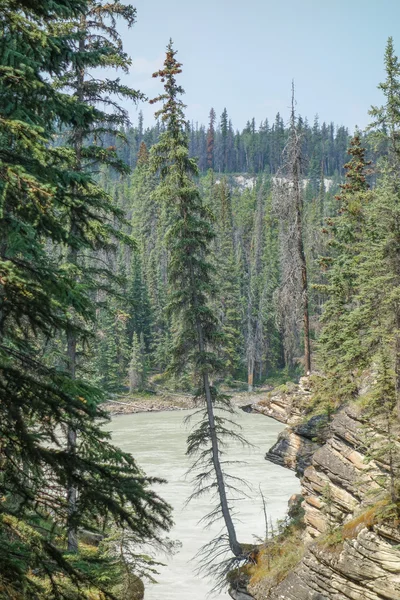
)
(298, 200)
(293, 293)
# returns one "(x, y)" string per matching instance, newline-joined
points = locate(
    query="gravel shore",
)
(126, 405)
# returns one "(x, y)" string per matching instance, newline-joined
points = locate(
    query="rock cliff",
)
(349, 552)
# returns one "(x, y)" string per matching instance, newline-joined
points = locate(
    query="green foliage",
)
(195, 327)
(189, 233)
(45, 300)
(137, 303)
(111, 350)
(382, 441)
(227, 275)
(361, 318)
(340, 352)
(137, 365)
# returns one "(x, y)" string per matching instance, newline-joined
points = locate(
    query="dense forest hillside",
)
(256, 149)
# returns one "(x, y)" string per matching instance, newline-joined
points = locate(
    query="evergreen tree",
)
(137, 365)
(191, 287)
(255, 296)
(147, 277)
(382, 440)
(386, 119)
(255, 150)
(111, 351)
(143, 155)
(224, 126)
(137, 303)
(210, 139)
(272, 340)
(385, 211)
(277, 141)
(228, 282)
(339, 347)
(98, 44)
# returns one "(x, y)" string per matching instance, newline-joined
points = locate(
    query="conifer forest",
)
(177, 264)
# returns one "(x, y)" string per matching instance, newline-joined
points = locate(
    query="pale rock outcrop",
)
(337, 486)
(296, 445)
(285, 404)
(366, 568)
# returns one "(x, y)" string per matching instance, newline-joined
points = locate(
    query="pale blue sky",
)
(244, 54)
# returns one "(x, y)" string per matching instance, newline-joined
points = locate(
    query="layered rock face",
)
(338, 485)
(285, 403)
(365, 568)
(296, 445)
(298, 442)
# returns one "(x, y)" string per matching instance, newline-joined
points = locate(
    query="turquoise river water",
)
(158, 442)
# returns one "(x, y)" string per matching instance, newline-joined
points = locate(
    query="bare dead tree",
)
(293, 302)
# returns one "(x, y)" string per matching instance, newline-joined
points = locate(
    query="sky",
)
(243, 55)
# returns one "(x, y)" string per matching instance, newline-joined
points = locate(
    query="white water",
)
(158, 443)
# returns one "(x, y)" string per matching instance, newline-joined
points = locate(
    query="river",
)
(158, 442)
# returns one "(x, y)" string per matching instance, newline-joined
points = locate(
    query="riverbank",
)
(138, 403)
(127, 405)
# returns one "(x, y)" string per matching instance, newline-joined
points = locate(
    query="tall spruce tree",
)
(137, 365)
(386, 127)
(211, 139)
(98, 44)
(339, 348)
(228, 308)
(191, 289)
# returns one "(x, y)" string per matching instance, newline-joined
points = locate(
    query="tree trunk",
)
(250, 374)
(397, 362)
(302, 258)
(72, 534)
(72, 495)
(306, 317)
(233, 543)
